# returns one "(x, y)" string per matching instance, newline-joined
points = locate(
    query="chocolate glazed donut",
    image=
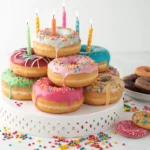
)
(143, 84)
(130, 84)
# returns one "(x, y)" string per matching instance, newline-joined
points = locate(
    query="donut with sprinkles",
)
(50, 98)
(28, 65)
(106, 89)
(73, 71)
(142, 119)
(129, 129)
(66, 42)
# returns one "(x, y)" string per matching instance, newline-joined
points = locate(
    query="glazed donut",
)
(142, 119)
(66, 42)
(143, 84)
(106, 89)
(112, 71)
(143, 71)
(130, 84)
(128, 129)
(73, 71)
(52, 99)
(16, 87)
(28, 66)
(99, 54)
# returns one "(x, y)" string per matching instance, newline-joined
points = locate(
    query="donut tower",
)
(59, 74)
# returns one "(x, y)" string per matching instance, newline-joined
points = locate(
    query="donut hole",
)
(105, 79)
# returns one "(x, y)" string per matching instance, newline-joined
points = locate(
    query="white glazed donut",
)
(66, 42)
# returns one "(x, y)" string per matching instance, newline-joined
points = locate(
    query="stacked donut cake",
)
(60, 75)
(140, 81)
(68, 72)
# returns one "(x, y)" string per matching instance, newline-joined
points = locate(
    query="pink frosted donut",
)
(49, 98)
(73, 71)
(128, 129)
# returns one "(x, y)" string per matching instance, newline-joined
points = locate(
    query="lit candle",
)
(64, 16)
(28, 40)
(37, 22)
(77, 23)
(89, 38)
(53, 24)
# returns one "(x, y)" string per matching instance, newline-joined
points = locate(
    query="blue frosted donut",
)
(97, 53)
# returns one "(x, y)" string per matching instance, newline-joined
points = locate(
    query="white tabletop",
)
(126, 63)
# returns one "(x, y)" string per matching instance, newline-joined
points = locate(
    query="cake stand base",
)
(85, 121)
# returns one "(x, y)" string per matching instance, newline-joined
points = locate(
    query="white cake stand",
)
(85, 121)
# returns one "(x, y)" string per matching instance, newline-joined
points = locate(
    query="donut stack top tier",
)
(28, 65)
(66, 42)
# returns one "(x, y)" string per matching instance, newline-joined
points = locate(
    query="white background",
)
(119, 25)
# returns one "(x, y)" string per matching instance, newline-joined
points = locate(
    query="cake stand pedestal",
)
(85, 121)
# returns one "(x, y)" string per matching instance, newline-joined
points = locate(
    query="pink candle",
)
(64, 17)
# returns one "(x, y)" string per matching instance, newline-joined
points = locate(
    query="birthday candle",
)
(64, 17)
(53, 24)
(37, 22)
(28, 40)
(77, 23)
(89, 38)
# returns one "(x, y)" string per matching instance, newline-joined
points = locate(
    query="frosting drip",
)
(20, 57)
(101, 83)
(16, 81)
(74, 64)
(97, 53)
(64, 37)
(46, 89)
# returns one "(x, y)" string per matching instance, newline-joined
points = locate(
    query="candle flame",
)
(63, 4)
(27, 20)
(53, 13)
(91, 22)
(37, 11)
(77, 14)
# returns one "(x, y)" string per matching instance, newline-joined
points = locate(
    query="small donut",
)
(130, 84)
(106, 89)
(130, 130)
(99, 54)
(16, 87)
(66, 42)
(143, 71)
(143, 84)
(112, 71)
(73, 71)
(142, 119)
(28, 66)
(52, 99)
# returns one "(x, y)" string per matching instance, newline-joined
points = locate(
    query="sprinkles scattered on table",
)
(99, 141)
(130, 105)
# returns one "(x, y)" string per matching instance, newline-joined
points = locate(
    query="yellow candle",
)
(37, 23)
(89, 38)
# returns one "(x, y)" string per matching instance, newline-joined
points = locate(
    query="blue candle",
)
(77, 23)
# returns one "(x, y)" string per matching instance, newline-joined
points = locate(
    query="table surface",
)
(125, 63)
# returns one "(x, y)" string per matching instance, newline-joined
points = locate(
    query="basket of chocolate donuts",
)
(137, 85)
